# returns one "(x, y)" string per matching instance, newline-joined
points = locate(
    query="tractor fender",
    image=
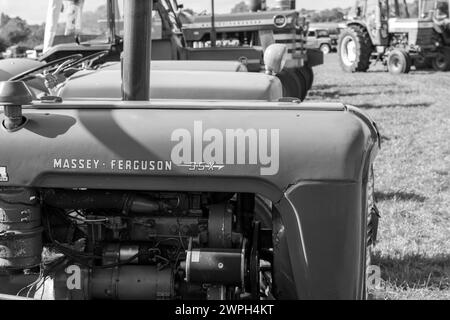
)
(12, 67)
(356, 23)
(361, 25)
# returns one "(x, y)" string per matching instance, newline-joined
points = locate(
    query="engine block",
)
(123, 245)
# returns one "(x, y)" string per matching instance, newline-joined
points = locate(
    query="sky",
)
(34, 11)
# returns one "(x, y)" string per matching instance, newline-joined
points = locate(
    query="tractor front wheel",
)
(441, 62)
(325, 48)
(355, 49)
(399, 62)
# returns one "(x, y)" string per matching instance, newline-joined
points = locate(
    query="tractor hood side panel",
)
(306, 145)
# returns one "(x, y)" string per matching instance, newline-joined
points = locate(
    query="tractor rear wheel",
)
(422, 63)
(304, 85)
(294, 84)
(308, 73)
(291, 85)
(399, 61)
(355, 49)
(371, 234)
(441, 62)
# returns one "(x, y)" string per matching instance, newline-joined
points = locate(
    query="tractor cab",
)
(374, 16)
(81, 27)
(430, 9)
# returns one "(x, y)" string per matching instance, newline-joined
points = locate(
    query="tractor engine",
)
(94, 244)
(399, 40)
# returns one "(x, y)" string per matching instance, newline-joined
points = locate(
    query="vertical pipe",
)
(137, 50)
(213, 25)
(255, 5)
(111, 21)
(286, 4)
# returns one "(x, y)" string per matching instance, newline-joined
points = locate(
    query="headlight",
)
(275, 58)
(280, 21)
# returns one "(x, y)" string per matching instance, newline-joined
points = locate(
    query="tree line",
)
(16, 31)
(327, 15)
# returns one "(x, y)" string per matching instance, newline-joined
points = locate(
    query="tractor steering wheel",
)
(91, 58)
(61, 64)
(25, 75)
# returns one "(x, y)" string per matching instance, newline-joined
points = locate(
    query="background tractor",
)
(397, 34)
(177, 36)
(258, 29)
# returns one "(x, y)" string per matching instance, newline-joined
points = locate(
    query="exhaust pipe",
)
(137, 50)
(256, 5)
(286, 4)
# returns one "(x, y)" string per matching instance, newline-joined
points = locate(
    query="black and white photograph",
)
(224, 155)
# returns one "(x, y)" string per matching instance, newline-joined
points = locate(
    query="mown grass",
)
(412, 172)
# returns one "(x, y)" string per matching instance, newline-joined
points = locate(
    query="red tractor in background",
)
(397, 34)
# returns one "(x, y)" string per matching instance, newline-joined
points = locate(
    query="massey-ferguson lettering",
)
(194, 185)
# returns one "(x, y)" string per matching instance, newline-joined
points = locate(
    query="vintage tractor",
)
(377, 31)
(170, 43)
(194, 185)
(259, 29)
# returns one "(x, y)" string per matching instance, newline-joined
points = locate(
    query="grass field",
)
(412, 172)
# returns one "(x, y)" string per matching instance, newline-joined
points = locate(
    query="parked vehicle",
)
(15, 52)
(320, 39)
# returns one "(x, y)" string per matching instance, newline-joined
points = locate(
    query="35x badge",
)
(202, 166)
(4, 174)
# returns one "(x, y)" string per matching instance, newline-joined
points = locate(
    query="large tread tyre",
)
(355, 49)
(303, 85)
(367, 291)
(441, 62)
(399, 61)
(409, 61)
(305, 76)
(422, 63)
(291, 84)
(308, 73)
(371, 233)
